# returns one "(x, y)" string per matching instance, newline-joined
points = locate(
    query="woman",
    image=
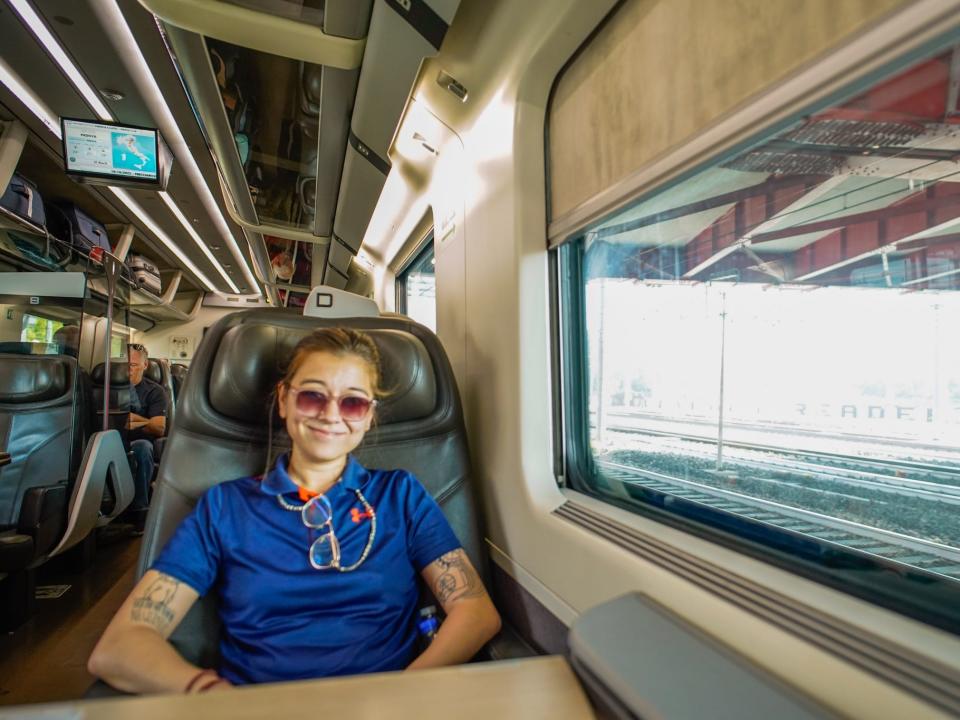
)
(314, 563)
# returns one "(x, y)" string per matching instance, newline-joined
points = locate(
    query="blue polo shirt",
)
(283, 619)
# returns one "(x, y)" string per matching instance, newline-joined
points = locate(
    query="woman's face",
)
(325, 435)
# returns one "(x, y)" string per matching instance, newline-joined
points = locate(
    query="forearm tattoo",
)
(458, 579)
(153, 606)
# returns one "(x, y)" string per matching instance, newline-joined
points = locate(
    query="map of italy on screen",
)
(110, 150)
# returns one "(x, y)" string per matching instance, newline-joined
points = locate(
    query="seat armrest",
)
(43, 516)
(506, 645)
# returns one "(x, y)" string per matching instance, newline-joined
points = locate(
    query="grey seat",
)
(120, 389)
(178, 373)
(159, 372)
(221, 432)
(43, 427)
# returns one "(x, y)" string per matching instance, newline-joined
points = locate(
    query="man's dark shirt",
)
(148, 400)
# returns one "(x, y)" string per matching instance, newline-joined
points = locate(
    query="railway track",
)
(902, 549)
(776, 429)
(945, 489)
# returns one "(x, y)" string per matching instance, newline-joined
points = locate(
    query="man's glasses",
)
(313, 403)
(324, 552)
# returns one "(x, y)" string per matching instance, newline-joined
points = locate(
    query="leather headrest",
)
(26, 379)
(154, 372)
(313, 83)
(119, 374)
(250, 360)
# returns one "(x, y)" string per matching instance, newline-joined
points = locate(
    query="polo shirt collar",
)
(279, 482)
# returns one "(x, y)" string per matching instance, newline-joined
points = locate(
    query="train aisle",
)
(45, 659)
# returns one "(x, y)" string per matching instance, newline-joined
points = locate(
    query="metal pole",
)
(723, 337)
(111, 269)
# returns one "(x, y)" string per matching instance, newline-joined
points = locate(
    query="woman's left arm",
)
(471, 617)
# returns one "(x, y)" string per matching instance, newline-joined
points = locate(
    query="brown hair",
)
(337, 341)
(340, 342)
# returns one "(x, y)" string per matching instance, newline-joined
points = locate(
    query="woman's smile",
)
(326, 432)
(310, 406)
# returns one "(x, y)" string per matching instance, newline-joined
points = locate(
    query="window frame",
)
(425, 247)
(913, 593)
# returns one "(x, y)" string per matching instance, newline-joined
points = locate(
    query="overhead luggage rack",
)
(11, 221)
(300, 130)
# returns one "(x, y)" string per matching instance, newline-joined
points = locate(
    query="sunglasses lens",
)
(311, 402)
(325, 552)
(317, 512)
(353, 407)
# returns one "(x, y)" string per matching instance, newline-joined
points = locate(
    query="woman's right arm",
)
(133, 655)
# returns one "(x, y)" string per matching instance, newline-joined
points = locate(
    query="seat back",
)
(120, 390)
(43, 429)
(159, 372)
(221, 430)
(178, 373)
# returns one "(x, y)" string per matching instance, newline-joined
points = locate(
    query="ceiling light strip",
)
(34, 104)
(59, 55)
(116, 25)
(151, 224)
(196, 238)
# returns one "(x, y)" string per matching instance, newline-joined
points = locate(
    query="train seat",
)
(221, 431)
(159, 372)
(178, 374)
(42, 427)
(120, 389)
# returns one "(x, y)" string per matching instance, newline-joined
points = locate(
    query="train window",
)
(39, 326)
(765, 352)
(417, 288)
(38, 329)
(120, 336)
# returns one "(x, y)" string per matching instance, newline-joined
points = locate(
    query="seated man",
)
(148, 420)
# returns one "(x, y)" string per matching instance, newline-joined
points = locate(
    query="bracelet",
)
(196, 678)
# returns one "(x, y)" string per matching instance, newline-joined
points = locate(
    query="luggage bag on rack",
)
(23, 199)
(146, 274)
(85, 232)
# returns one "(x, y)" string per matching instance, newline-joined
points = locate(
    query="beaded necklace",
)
(368, 510)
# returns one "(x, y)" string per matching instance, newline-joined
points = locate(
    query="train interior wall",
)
(486, 187)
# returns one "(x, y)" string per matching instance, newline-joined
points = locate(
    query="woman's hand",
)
(472, 620)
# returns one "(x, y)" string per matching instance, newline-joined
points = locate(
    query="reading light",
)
(33, 103)
(116, 25)
(59, 55)
(138, 212)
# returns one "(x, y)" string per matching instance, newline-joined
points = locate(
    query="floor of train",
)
(45, 659)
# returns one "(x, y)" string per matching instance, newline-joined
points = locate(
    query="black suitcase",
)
(85, 232)
(23, 199)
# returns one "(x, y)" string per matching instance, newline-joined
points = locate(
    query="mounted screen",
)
(112, 154)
